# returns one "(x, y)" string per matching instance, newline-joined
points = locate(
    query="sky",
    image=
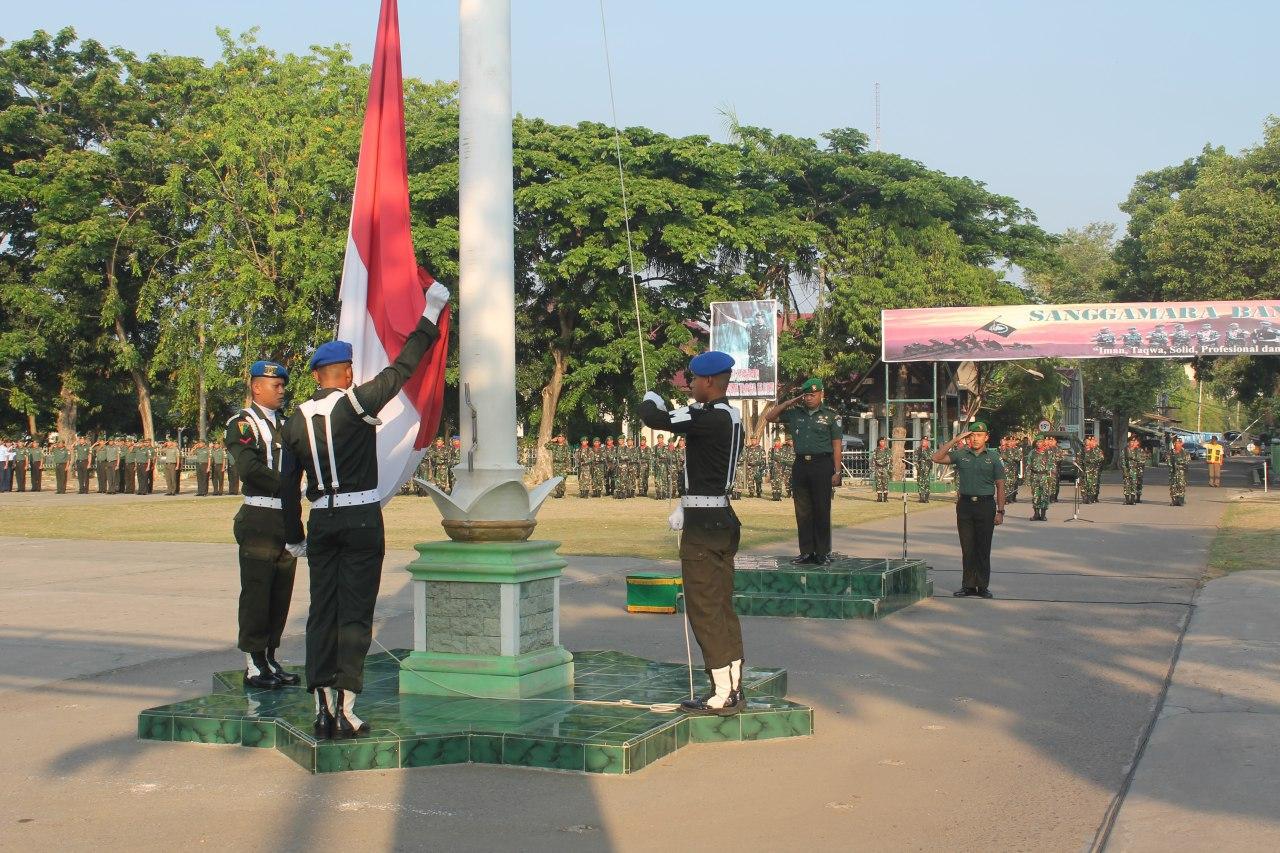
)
(1059, 105)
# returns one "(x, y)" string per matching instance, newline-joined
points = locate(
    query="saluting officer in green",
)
(333, 438)
(711, 528)
(979, 504)
(82, 454)
(818, 436)
(267, 563)
(60, 457)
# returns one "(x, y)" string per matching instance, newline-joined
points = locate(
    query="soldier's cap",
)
(333, 352)
(584, 438)
(269, 369)
(711, 363)
(814, 384)
(978, 426)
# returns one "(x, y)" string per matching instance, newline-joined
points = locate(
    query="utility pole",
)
(877, 116)
(1199, 401)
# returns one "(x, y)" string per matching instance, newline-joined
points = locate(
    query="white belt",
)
(703, 501)
(368, 496)
(258, 500)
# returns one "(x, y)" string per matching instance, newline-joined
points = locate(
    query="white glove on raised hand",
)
(437, 298)
(297, 549)
(676, 519)
(656, 399)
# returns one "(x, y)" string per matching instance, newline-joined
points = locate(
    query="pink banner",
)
(1126, 329)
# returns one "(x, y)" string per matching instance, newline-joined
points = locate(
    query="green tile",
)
(605, 759)
(746, 581)
(431, 751)
(764, 725)
(660, 743)
(155, 726)
(357, 754)
(258, 733)
(486, 749)
(548, 754)
(206, 730)
(711, 729)
(298, 749)
(782, 583)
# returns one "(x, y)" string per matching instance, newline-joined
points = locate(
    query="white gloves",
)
(676, 519)
(297, 549)
(437, 298)
(657, 400)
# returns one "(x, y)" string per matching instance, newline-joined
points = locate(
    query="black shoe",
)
(324, 725)
(349, 725)
(985, 593)
(802, 560)
(258, 673)
(824, 560)
(282, 675)
(964, 592)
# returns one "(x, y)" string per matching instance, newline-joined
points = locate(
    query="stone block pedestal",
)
(486, 621)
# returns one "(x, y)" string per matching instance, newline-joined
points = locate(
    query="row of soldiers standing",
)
(624, 468)
(119, 466)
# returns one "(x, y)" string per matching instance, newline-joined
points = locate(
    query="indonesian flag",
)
(382, 284)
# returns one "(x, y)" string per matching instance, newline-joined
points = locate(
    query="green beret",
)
(978, 426)
(814, 384)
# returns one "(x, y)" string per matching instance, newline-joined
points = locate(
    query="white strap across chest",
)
(324, 409)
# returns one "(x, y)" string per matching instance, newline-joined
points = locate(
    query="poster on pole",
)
(1105, 330)
(748, 331)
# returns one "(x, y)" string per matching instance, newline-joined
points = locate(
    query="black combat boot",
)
(282, 675)
(349, 725)
(324, 724)
(257, 672)
(723, 700)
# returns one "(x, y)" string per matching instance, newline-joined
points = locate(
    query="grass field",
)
(1249, 537)
(597, 526)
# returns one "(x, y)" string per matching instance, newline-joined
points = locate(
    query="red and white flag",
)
(382, 284)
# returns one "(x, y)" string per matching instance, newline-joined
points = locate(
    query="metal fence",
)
(857, 466)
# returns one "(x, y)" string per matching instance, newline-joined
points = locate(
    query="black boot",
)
(324, 724)
(282, 675)
(723, 700)
(257, 672)
(349, 725)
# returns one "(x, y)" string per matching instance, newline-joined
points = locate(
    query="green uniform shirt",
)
(57, 456)
(976, 473)
(82, 452)
(812, 430)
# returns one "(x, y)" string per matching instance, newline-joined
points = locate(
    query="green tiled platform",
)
(411, 730)
(847, 588)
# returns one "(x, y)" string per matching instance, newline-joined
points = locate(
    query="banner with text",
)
(1122, 329)
(748, 331)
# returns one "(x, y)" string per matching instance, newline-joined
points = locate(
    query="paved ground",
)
(958, 724)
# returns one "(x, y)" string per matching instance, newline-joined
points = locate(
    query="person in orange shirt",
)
(1213, 454)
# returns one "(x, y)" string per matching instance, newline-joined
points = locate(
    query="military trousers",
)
(233, 482)
(976, 522)
(20, 478)
(202, 482)
(170, 478)
(82, 476)
(60, 479)
(6, 476)
(104, 478)
(130, 478)
(706, 566)
(36, 473)
(345, 547)
(811, 493)
(216, 475)
(266, 577)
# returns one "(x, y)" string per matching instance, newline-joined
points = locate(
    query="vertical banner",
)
(748, 331)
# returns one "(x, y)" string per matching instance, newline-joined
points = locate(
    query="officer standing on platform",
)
(979, 504)
(332, 437)
(711, 528)
(267, 564)
(818, 436)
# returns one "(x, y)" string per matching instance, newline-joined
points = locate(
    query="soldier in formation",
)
(924, 470)
(1010, 453)
(881, 462)
(561, 462)
(1132, 463)
(1040, 468)
(1091, 459)
(661, 463)
(644, 465)
(1179, 459)
(753, 460)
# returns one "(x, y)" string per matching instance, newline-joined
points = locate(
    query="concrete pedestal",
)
(486, 621)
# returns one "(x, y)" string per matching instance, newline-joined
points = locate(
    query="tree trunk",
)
(68, 407)
(202, 393)
(550, 402)
(31, 425)
(1119, 436)
(140, 386)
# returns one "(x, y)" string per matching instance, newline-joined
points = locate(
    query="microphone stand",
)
(1075, 514)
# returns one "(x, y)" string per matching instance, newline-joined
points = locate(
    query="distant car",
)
(853, 442)
(1195, 449)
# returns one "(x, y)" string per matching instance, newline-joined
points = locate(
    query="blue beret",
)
(711, 363)
(334, 352)
(270, 369)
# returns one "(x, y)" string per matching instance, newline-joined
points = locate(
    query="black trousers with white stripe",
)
(811, 492)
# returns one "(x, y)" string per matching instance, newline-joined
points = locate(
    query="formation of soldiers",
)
(116, 466)
(436, 466)
(621, 467)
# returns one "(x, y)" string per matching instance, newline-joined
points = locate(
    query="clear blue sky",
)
(1060, 105)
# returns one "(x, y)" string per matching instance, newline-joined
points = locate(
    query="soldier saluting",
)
(711, 528)
(333, 439)
(267, 563)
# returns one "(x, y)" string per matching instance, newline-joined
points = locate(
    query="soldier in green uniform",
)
(99, 465)
(167, 462)
(454, 458)
(217, 467)
(644, 461)
(753, 461)
(1008, 452)
(740, 486)
(677, 466)
(559, 462)
(437, 462)
(82, 463)
(596, 472)
(777, 471)
(129, 467)
(659, 460)
(332, 437)
(1091, 459)
(609, 460)
(1040, 472)
(924, 470)
(818, 434)
(152, 456)
(881, 465)
(788, 462)
(200, 455)
(35, 465)
(111, 455)
(267, 564)
(979, 504)
(1132, 462)
(1055, 482)
(59, 458)
(582, 466)
(620, 469)
(1179, 459)
(19, 466)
